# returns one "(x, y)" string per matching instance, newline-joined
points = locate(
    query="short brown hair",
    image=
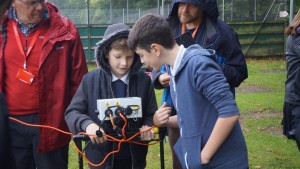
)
(151, 29)
(117, 44)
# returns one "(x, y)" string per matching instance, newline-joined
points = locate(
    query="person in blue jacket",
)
(199, 19)
(207, 113)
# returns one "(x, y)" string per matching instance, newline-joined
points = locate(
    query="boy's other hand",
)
(147, 136)
(164, 79)
(91, 129)
(161, 116)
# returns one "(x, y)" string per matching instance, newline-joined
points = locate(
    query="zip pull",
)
(24, 65)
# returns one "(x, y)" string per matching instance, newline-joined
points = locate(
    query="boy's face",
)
(149, 59)
(120, 61)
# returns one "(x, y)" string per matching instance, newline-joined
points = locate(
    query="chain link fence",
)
(128, 11)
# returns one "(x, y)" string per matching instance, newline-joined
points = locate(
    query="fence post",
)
(89, 29)
(291, 10)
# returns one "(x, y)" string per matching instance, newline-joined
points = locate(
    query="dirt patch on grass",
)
(273, 70)
(263, 114)
(252, 89)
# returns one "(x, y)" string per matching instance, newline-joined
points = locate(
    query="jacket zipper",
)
(113, 144)
(110, 86)
(132, 162)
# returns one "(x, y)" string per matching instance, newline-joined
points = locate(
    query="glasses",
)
(33, 3)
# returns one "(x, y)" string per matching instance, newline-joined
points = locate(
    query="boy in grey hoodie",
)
(210, 134)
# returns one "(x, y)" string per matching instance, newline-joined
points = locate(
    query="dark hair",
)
(291, 29)
(151, 29)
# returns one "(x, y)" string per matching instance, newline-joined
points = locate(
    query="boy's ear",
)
(156, 48)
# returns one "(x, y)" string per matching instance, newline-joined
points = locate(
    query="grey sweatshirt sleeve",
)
(76, 114)
(210, 81)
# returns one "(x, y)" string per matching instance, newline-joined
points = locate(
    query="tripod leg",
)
(80, 160)
(162, 155)
(162, 134)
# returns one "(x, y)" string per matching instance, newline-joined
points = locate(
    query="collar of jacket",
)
(212, 34)
(190, 52)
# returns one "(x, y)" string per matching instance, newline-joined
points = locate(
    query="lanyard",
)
(183, 30)
(34, 39)
(195, 31)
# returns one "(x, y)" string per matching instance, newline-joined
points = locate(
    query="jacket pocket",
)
(188, 152)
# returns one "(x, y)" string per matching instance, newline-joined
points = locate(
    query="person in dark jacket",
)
(199, 19)
(4, 5)
(291, 108)
(5, 153)
(210, 133)
(117, 76)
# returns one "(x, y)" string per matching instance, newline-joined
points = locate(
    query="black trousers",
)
(96, 153)
(24, 143)
(5, 154)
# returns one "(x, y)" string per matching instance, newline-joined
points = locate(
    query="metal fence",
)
(128, 11)
(257, 22)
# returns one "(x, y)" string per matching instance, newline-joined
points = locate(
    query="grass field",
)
(260, 100)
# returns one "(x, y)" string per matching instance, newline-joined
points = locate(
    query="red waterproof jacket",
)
(60, 73)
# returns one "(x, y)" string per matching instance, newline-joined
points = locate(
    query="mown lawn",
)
(260, 100)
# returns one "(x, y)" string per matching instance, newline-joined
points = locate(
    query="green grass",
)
(260, 100)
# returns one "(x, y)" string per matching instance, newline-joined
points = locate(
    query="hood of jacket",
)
(112, 33)
(194, 50)
(210, 8)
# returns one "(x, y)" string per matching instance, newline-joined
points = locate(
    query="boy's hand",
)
(91, 129)
(164, 79)
(203, 159)
(161, 116)
(147, 136)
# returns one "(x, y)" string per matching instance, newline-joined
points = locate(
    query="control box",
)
(131, 107)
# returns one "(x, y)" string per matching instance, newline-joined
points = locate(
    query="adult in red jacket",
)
(41, 65)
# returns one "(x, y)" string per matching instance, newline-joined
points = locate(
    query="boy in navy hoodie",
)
(118, 76)
(210, 134)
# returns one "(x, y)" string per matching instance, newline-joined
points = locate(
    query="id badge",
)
(25, 76)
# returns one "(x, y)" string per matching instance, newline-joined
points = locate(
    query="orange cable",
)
(112, 121)
(112, 138)
(42, 126)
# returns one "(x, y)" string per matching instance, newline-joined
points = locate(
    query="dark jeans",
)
(24, 143)
(173, 135)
